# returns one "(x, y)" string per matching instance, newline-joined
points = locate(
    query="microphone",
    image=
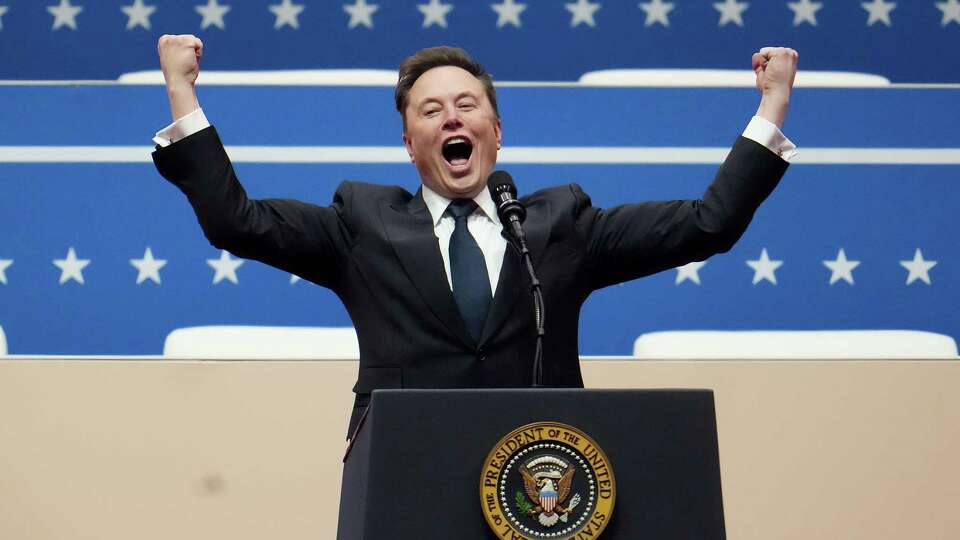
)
(504, 194)
(512, 213)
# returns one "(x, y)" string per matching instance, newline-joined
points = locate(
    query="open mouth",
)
(457, 150)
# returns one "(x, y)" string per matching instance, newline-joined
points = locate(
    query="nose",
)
(452, 119)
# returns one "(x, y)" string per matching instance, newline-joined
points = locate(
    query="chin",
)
(465, 186)
(471, 189)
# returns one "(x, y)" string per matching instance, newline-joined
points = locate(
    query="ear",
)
(408, 144)
(498, 132)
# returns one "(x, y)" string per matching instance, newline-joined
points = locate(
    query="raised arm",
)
(308, 240)
(633, 240)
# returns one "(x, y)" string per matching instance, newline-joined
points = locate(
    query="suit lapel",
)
(513, 275)
(410, 229)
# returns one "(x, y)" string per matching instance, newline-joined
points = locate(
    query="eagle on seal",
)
(548, 493)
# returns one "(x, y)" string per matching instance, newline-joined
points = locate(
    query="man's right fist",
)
(180, 59)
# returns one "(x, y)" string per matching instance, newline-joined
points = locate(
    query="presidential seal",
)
(547, 480)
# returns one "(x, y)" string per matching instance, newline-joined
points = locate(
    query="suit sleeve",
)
(305, 239)
(635, 240)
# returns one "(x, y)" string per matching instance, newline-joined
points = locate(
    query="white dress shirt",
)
(483, 224)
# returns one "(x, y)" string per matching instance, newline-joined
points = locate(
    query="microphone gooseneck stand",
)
(519, 242)
(512, 213)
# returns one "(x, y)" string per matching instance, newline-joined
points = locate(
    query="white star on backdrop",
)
(3, 9)
(148, 267)
(71, 267)
(878, 11)
(731, 11)
(657, 12)
(64, 14)
(841, 268)
(764, 268)
(508, 13)
(582, 12)
(225, 268)
(138, 14)
(212, 14)
(951, 12)
(805, 11)
(435, 13)
(360, 13)
(4, 264)
(918, 268)
(287, 13)
(689, 271)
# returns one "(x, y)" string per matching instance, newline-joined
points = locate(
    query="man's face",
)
(452, 132)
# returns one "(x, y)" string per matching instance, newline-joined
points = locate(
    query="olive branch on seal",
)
(522, 503)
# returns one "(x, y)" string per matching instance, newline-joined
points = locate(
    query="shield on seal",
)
(548, 500)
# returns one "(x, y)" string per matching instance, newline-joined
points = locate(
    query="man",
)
(437, 298)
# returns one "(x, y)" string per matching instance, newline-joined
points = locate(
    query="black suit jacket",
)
(374, 246)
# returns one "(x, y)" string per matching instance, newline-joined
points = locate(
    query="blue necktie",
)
(468, 270)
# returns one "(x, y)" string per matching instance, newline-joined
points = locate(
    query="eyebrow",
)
(434, 99)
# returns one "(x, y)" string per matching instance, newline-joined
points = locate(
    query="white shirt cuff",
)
(183, 127)
(768, 134)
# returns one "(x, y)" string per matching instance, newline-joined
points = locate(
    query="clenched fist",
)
(180, 63)
(776, 67)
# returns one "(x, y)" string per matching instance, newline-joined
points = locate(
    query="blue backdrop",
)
(110, 211)
(530, 40)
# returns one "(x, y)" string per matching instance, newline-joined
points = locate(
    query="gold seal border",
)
(502, 527)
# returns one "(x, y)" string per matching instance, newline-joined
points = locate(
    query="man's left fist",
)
(776, 68)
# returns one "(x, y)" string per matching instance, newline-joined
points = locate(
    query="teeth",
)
(455, 140)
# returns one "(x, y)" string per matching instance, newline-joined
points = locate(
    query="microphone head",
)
(500, 182)
(504, 194)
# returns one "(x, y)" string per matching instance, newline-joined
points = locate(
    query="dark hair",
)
(424, 60)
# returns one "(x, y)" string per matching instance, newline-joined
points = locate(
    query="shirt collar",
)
(437, 204)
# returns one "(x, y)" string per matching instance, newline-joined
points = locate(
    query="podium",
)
(414, 469)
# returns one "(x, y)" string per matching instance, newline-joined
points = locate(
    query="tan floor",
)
(156, 449)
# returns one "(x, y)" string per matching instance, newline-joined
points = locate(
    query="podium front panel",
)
(415, 466)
